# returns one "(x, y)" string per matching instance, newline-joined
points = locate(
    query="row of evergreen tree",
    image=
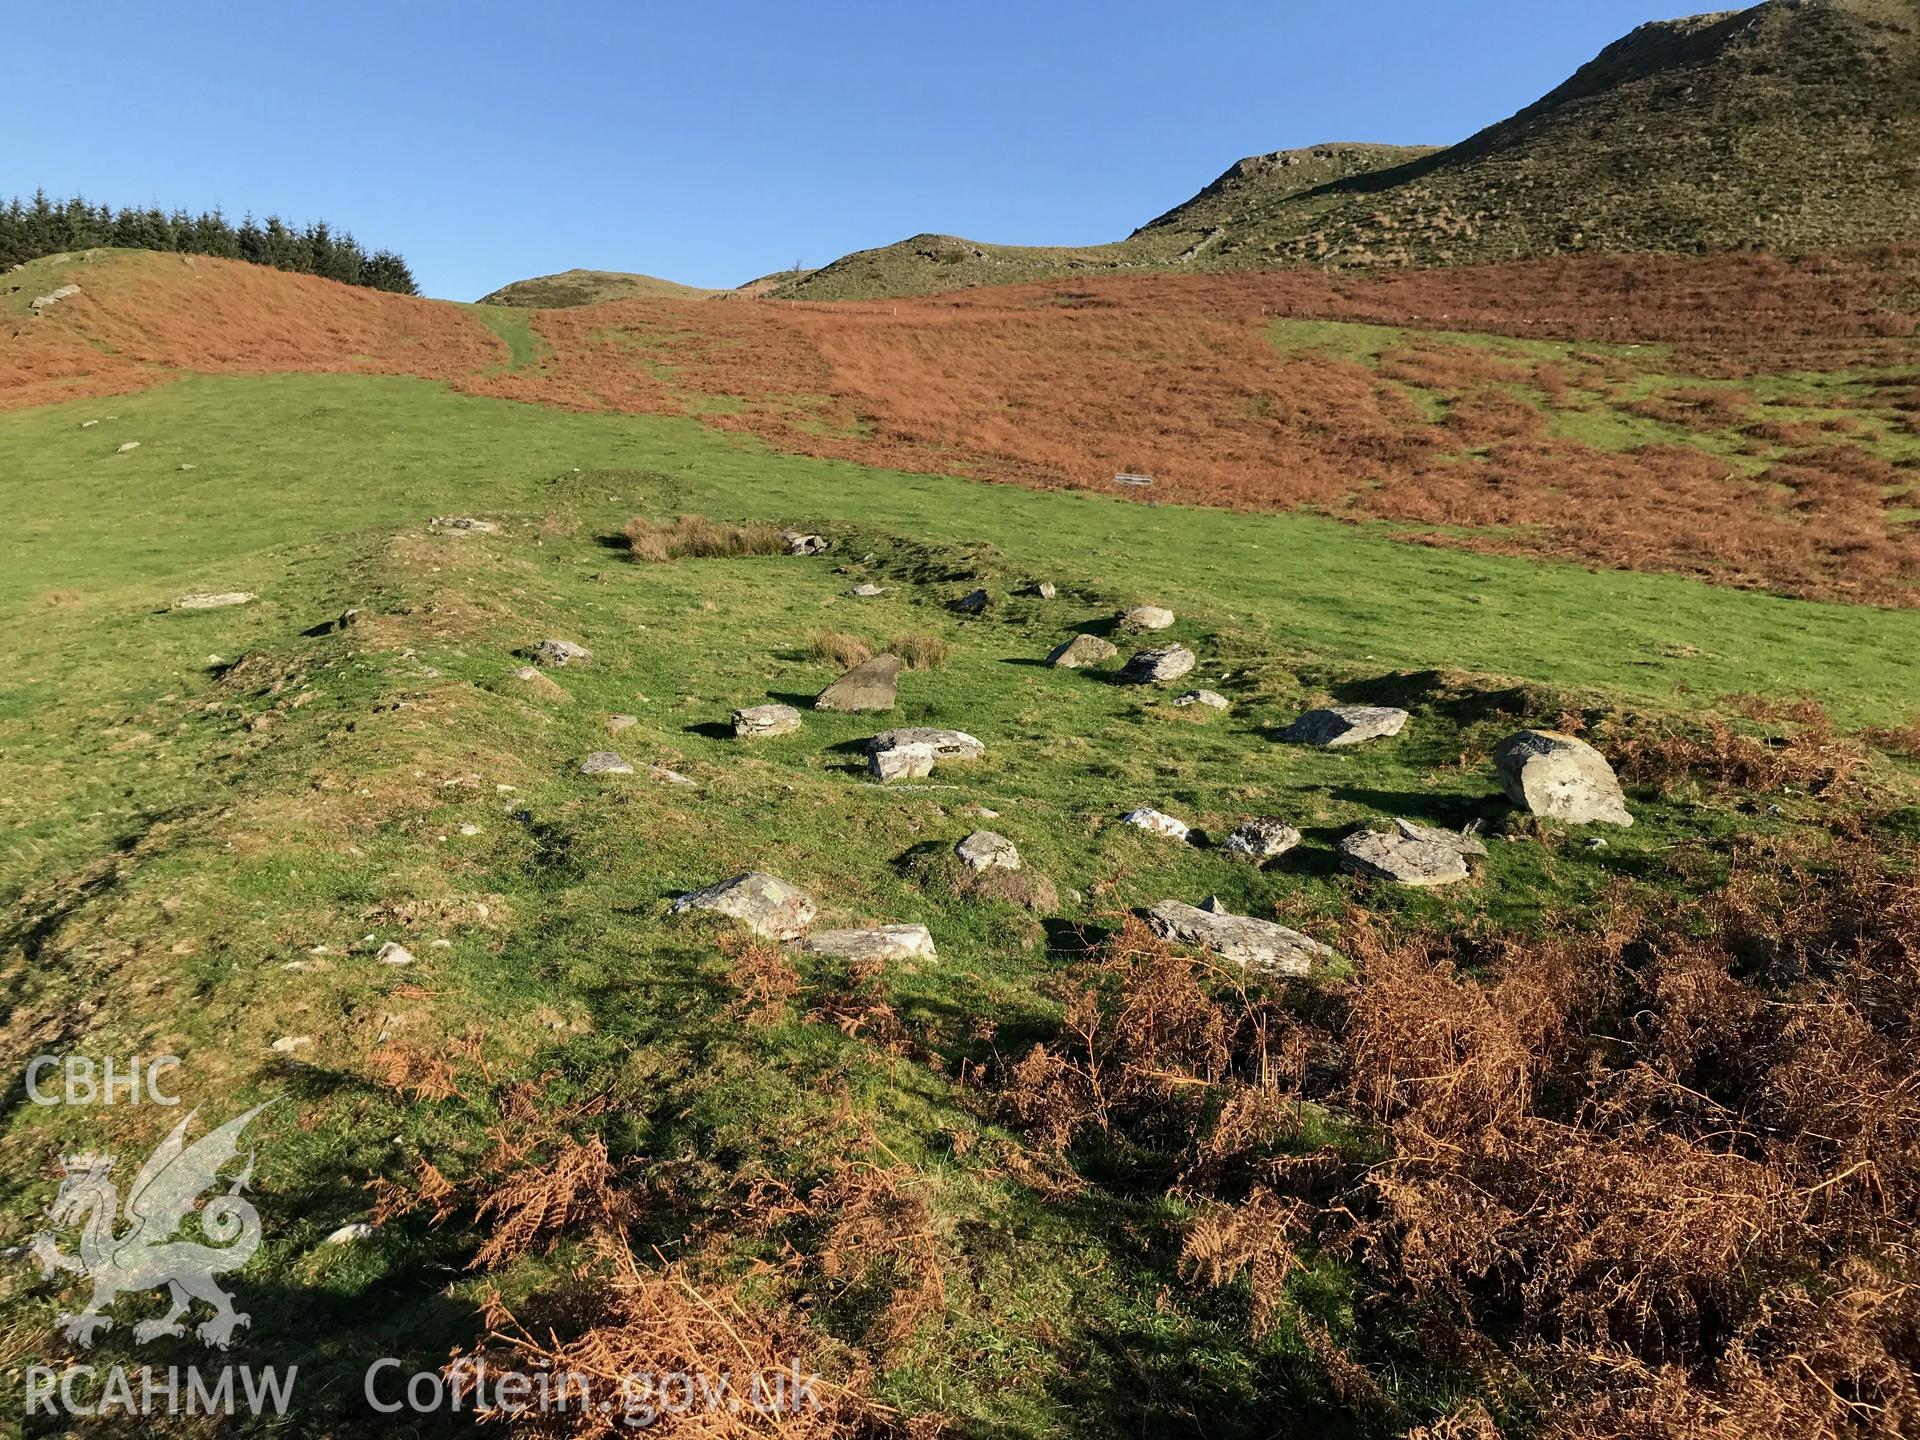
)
(36, 227)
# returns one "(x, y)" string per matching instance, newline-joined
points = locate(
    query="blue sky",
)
(712, 143)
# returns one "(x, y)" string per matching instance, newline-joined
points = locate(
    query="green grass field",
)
(195, 801)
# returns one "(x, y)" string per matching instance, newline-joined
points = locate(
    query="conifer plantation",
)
(40, 226)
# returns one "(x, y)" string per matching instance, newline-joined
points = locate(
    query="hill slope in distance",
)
(589, 287)
(1792, 126)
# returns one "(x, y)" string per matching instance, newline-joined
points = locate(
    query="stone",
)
(762, 722)
(974, 602)
(1260, 945)
(985, 850)
(1343, 725)
(558, 654)
(867, 591)
(347, 1234)
(1214, 905)
(765, 904)
(1081, 650)
(901, 762)
(469, 829)
(88, 424)
(1260, 840)
(1212, 699)
(538, 682)
(1146, 818)
(868, 686)
(465, 525)
(873, 942)
(128, 445)
(348, 618)
(207, 600)
(1390, 855)
(801, 543)
(1045, 589)
(669, 777)
(1156, 667)
(52, 298)
(605, 762)
(1547, 773)
(1128, 478)
(1146, 617)
(287, 1044)
(394, 953)
(947, 744)
(615, 723)
(1464, 841)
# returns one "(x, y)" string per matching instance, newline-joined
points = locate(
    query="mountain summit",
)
(1791, 126)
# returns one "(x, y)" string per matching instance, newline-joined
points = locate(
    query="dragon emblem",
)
(147, 1253)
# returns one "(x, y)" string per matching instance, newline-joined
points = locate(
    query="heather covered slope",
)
(1793, 126)
(1744, 419)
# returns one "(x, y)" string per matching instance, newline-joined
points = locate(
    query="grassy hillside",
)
(213, 819)
(589, 287)
(1791, 126)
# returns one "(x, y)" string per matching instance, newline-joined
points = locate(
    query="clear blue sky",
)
(712, 143)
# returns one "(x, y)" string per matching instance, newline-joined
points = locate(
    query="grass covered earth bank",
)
(1612, 1138)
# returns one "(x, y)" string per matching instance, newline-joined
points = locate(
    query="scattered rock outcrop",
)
(1260, 840)
(911, 761)
(1260, 945)
(868, 686)
(1557, 776)
(1212, 699)
(211, 600)
(1151, 820)
(946, 744)
(1146, 617)
(801, 543)
(535, 680)
(558, 654)
(1156, 667)
(987, 850)
(1407, 855)
(1345, 725)
(464, 525)
(765, 904)
(763, 722)
(1082, 650)
(52, 298)
(872, 942)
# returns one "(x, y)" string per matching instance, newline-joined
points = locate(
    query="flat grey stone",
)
(1156, 667)
(867, 591)
(617, 723)
(1343, 725)
(764, 903)
(872, 942)
(868, 686)
(1390, 855)
(1555, 775)
(801, 543)
(763, 722)
(1260, 945)
(947, 744)
(394, 953)
(1081, 650)
(558, 654)
(52, 298)
(669, 777)
(605, 762)
(464, 525)
(1045, 589)
(1260, 840)
(210, 600)
(986, 850)
(1466, 843)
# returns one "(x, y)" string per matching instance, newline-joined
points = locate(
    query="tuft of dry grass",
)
(696, 537)
(837, 647)
(921, 652)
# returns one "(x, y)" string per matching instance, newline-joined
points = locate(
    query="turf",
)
(180, 827)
